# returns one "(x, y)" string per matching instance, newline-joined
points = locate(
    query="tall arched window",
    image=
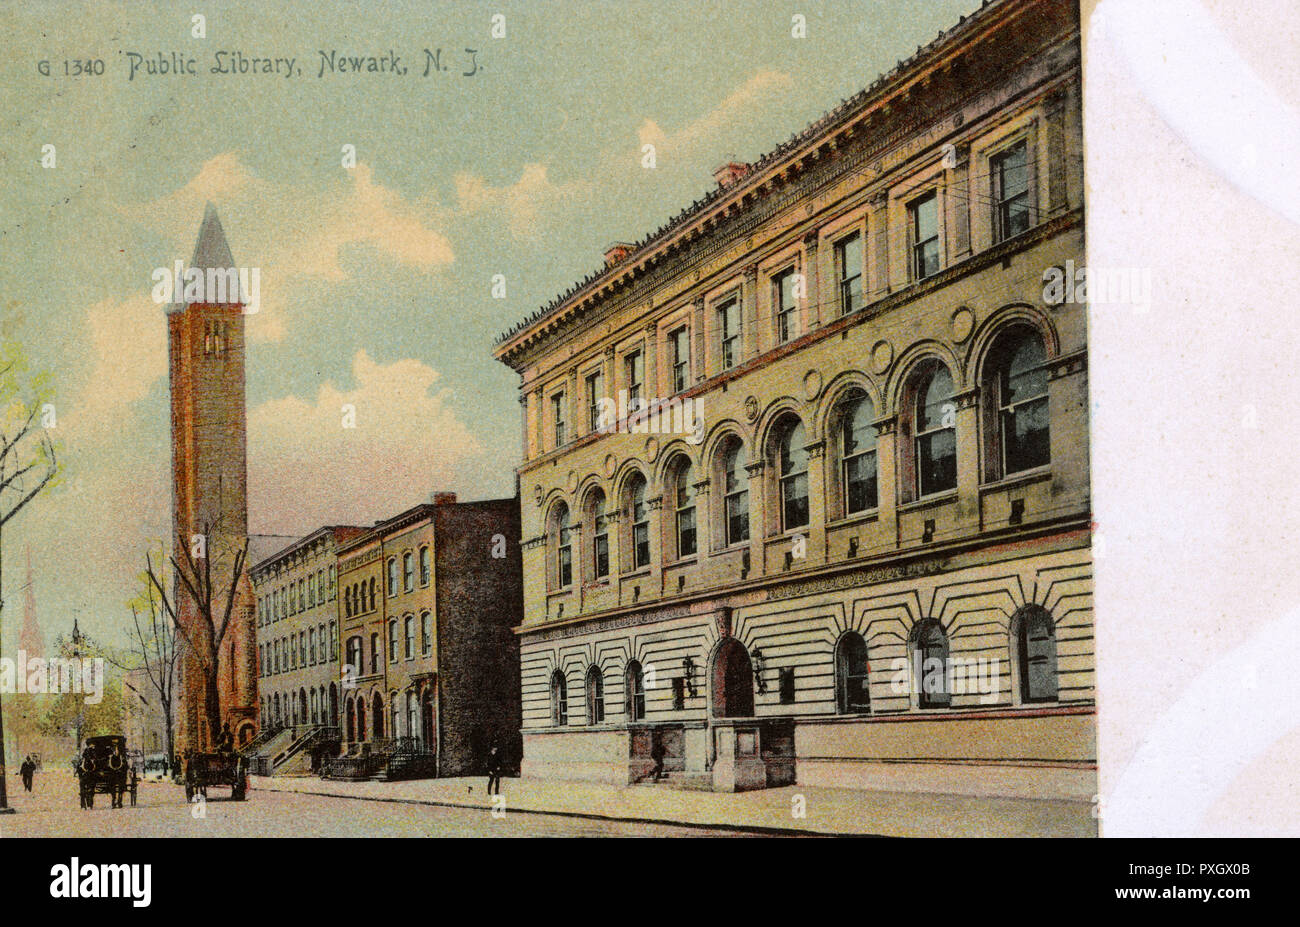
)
(858, 479)
(374, 652)
(562, 545)
(374, 591)
(394, 716)
(639, 511)
(393, 646)
(936, 432)
(392, 576)
(930, 658)
(595, 696)
(634, 692)
(377, 718)
(599, 521)
(424, 565)
(853, 693)
(684, 508)
(408, 571)
(559, 699)
(1015, 395)
(409, 651)
(361, 717)
(735, 493)
(347, 602)
(412, 718)
(426, 634)
(792, 474)
(354, 655)
(1036, 654)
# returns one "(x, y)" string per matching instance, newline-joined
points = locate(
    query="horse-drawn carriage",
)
(206, 769)
(105, 767)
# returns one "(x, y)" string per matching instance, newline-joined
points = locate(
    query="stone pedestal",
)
(738, 764)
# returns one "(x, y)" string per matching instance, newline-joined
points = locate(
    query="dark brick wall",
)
(480, 599)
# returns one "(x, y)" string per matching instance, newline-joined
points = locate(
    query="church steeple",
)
(211, 249)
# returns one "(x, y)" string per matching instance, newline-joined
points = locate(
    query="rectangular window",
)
(848, 265)
(595, 392)
(787, 306)
(924, 215)
(557, 416)
(786, 685)
(634, 375)
(426, 634)
(729, 329)
(680, 340)
(1010, 171)
(424, 566)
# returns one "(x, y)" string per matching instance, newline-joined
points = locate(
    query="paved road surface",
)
(52, 810)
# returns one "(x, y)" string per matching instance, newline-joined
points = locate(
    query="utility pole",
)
(4, 793)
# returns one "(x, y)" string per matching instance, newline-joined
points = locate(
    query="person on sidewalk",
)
(657, 753)
(494, 770)
(28, 769)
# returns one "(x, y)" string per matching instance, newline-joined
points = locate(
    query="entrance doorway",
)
(733, 681)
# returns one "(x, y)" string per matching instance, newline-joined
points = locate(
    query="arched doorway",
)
(377, 718)
(426, 718)
(733, 681)
(334, 706)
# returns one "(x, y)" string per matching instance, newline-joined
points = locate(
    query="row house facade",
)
(805, 472)
(426, 611)
(298, 634)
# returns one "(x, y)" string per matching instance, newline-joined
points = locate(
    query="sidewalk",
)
(828, 811)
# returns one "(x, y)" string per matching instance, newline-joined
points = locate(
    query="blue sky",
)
(375, 279)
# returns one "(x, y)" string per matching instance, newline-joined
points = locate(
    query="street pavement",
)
(52, 810)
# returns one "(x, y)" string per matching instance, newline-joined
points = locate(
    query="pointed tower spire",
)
(211, 249)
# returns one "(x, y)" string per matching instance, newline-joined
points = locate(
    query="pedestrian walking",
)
(657, 753)
(494, 770)
(28, 771)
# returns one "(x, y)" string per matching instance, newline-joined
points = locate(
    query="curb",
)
(757, 829)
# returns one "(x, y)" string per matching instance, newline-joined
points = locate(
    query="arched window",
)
(936, 432)
(735, 493)
(1036, 654)
(851, 674)
(361, 717)
(392, 576)
(792, 473)
(354, 655)
(412, 718)
(394, 715)
(684, 508)
(559, 699)
(408, 571)
(639, 512)
(1014, 395)
(634, 692)
(374, 590)
(409, 652)
(424, 565)
(347, 602)
(393, 646)
(599, 536)
(930, 658)
(426, 634)
(311, 646)
(562, 544)
(275, 701)
(374, 652)
(334, 641)
(858, 482)
(332, 576)
(315, 708)
(595, 696)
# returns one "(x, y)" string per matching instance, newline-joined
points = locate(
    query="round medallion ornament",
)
(537, 494)
(610, 465)
(963, 323)
(572, 482)
(651, 449)
(882, 355)
(812, 384)
(751, 407)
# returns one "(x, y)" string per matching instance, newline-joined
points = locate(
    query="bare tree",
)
(155, 640)
(214, 601)
(27, 460)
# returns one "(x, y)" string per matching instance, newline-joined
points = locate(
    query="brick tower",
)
(205, 340)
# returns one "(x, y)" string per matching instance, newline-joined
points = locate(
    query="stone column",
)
(757, 516)
(1055, 144)
(525, 450)
(814, 305)
(887, 477)
(968, 457)
(815, 532)
(699, 334)
(652, 381)
(571, 400)
(878, 229)
(962, 187)
(539, 418)
(751, 342)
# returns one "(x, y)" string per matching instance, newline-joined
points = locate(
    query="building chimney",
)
(443, 498)
(730, 172)
(617, 252)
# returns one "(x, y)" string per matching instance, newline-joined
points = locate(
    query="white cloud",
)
(726, 123)
(306, 469)
(520, 204)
